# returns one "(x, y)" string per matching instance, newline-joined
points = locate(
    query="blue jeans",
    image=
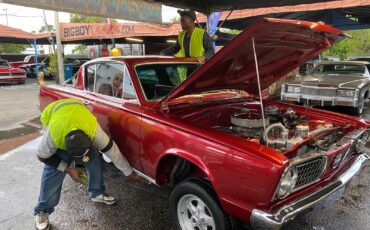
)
(52, 180)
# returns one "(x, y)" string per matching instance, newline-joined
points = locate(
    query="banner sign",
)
(213, 20)
(86, 31)
(135, 10)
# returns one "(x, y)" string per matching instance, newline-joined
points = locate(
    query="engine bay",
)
(282, 129)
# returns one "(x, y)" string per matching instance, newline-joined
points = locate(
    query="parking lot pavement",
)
(139, 206)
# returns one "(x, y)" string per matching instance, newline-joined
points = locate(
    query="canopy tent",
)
(344, 14)
(17, 36)
(208, 6)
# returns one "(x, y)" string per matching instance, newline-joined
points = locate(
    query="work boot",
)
(104, 198)
(42, 221)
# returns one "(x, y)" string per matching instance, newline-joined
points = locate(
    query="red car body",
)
(9, 74)
(244, 173)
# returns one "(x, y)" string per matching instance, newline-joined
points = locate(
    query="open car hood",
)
(281, 46)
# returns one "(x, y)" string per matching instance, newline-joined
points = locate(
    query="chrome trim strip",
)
(151, 180)
(334, 100)
(263, 220)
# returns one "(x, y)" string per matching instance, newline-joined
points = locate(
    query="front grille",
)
(309, 171)
(322, 91)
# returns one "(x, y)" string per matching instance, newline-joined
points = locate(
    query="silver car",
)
(343, 83)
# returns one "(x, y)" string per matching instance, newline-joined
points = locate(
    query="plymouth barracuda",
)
(344, 83)
(8, 74)
(204, 129)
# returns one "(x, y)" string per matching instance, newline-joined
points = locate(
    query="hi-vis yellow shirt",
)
(66, 115)
(196, 48)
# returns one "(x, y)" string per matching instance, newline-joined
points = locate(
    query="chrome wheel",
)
(193, 213)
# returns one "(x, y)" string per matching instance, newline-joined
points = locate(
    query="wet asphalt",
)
(143, 206)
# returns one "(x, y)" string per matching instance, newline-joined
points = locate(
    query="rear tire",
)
(194, 206)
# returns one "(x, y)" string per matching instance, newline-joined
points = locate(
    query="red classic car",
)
(8, 74)
(204, 130)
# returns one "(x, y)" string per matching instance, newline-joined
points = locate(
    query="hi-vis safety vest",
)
(66, 115)
(196, 48)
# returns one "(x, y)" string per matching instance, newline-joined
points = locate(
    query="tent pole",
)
(59, 49)
(36, 58)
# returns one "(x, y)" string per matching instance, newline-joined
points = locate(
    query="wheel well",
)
(366, 95)
(173, 169)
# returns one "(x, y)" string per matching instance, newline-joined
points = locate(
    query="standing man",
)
(192, 41)
(72, 136)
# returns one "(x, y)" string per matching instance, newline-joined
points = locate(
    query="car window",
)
(159, 79)
(4, 64)
(109, 79)
(340, 68)
(90, 78)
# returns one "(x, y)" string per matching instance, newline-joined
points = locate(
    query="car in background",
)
(9, 74)
(77, 62)
(359, 58)
(343, 83)
(30, 59)
(43, 65)
(308, 67)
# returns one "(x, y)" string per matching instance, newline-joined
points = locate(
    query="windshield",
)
(4, 64)
(340, 69)
(158, 79)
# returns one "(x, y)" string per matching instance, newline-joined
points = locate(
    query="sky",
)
(31, 19)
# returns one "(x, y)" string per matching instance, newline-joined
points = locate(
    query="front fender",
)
(186, 156)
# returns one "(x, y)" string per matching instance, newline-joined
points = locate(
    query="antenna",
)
(259, 84)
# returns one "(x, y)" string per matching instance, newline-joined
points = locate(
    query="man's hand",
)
(76, 174)
(201, 59)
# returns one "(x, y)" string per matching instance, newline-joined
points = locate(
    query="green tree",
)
(48, 28)
(356, 45)
(12, 48)
(80, 49)
(77, 18)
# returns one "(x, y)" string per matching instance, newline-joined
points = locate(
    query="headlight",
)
(293, 89)
(345, 93)
(337, 160)
(287, 182)
(361, 142)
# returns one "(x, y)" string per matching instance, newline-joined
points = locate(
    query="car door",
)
(114, 103)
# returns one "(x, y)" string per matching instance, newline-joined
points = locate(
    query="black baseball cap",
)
(79, 145)
(189, 13)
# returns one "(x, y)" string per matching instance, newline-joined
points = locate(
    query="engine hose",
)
(284, 133)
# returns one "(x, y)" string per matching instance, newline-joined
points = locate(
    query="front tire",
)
(358, 110)
(193, 206)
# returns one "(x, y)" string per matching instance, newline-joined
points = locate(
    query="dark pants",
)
(52, 180)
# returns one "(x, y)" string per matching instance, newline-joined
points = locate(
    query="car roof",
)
(343, 62)
(141, 59)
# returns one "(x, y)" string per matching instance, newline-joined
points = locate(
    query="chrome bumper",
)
(263, 220)
(310, 99)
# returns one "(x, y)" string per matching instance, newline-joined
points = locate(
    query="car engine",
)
(283, 129)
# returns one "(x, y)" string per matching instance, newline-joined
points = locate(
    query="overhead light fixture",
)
(171, 41)
(134, 39)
